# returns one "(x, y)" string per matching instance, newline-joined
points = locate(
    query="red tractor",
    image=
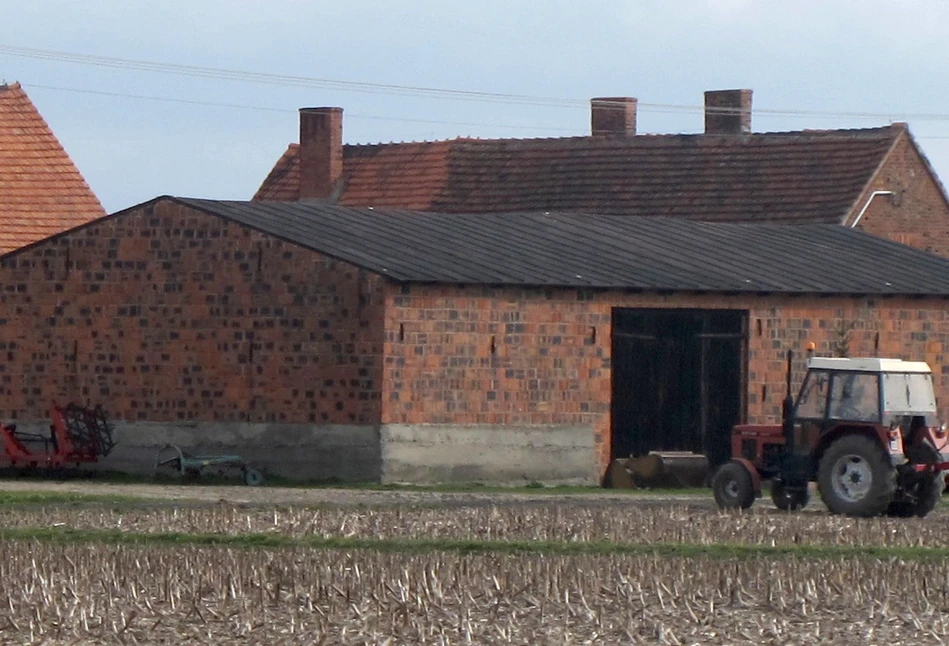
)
(866, 430)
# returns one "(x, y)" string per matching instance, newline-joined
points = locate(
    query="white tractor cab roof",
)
(868, 364)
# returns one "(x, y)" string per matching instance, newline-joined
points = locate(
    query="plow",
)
(172, 460)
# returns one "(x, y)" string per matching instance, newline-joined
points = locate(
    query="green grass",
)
(271, 541)
(14, 498)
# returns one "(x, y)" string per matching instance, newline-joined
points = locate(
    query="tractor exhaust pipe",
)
(787, 422)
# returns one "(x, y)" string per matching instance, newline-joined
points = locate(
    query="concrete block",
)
(513, 455)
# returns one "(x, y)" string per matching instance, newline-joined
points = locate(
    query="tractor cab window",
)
(908, 393)
(812, 401)
(855, 396)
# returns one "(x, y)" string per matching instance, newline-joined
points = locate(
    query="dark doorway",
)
(678, 380)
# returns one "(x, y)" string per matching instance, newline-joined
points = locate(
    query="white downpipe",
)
(867, 205)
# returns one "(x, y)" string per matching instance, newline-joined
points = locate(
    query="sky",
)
(502, 68)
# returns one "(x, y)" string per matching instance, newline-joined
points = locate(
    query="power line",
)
(368, 117)
(410, 90)
(276, 79)
(286, 111)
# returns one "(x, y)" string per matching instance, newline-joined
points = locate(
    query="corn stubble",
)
(88, 594)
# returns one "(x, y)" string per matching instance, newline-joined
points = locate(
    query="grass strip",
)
(64, 535)
(14, 498)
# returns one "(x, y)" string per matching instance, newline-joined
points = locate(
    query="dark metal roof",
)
(597, 251)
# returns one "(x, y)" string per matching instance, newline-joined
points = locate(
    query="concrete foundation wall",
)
(295, 451)
(429, 453)
(409, 453)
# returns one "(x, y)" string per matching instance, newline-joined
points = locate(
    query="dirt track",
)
(316, 496)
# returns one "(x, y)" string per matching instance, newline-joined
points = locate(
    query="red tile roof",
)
(41, 190)
(808, 176)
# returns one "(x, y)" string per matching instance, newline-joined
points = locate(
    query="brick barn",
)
(367, 344)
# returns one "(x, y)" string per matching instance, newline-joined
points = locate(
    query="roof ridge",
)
(890, 130)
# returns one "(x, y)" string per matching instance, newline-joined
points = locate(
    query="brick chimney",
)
(727, 112)
(613, 116)
(321, 151)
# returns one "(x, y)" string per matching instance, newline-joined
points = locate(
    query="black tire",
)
(856, 477)
(788, 497)
(253, 478)
(918, 493)
(733, 486)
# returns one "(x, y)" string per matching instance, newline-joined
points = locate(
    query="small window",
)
(856, 396)
(908, 393)
(813, 400)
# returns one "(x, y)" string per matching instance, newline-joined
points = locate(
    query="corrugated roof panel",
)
(586, 250)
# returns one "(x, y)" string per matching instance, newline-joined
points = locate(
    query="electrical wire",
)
(286, 111)
(420, 91)
(367, 117)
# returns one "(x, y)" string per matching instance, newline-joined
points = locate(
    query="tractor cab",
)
(887, 398)
(866, 391)
(865, 429)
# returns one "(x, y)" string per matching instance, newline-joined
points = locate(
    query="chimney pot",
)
(321, 151)
(613, 116)
(727, 112)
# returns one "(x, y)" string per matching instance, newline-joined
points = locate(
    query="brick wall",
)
(917, 214)
(514, 356)
(164, 313)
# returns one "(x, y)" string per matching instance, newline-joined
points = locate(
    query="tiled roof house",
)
(875, 178)
(41, 191)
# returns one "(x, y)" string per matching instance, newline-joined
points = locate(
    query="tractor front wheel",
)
(788, 497)
(733, 486)
(856, 477)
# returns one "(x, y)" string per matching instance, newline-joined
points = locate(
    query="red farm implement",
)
(76, 436)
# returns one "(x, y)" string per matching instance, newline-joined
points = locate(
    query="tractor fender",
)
(753, 472)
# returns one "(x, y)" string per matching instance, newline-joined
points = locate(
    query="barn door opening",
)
(678, 380)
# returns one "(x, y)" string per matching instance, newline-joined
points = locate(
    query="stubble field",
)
(430, 568)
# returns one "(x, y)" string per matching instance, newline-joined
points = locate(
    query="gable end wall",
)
(164, 313)
(917, 213)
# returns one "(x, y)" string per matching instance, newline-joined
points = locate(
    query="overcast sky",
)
(886, 61)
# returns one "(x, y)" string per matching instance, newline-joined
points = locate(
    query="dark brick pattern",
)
(169, 314)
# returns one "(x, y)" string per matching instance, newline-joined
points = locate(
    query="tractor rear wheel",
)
(856, 477)
(918, 493)
(788, 497)
(733, 486)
